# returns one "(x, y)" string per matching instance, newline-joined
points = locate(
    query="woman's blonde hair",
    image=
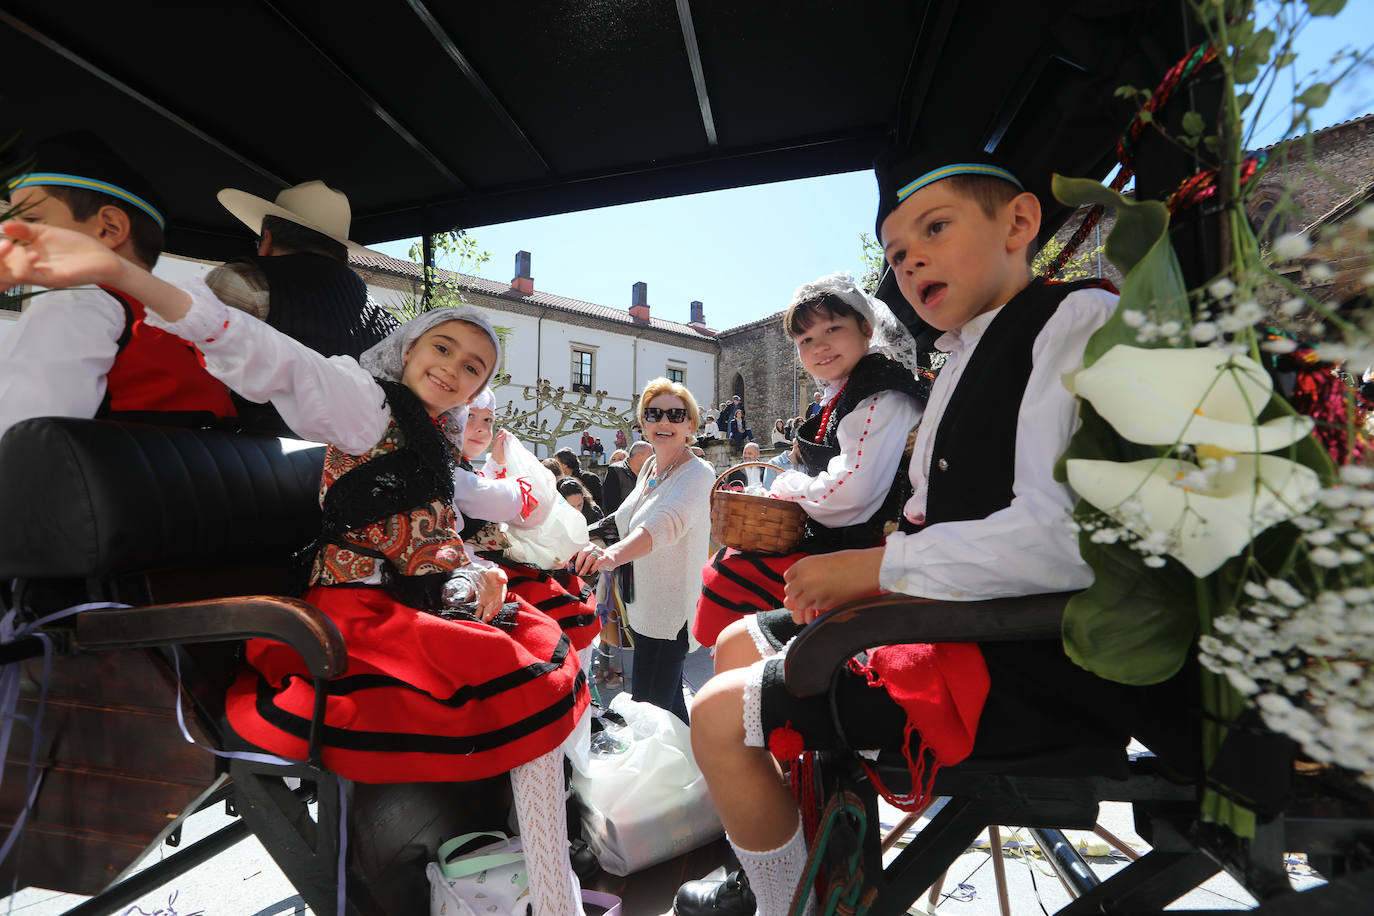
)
(676, 389)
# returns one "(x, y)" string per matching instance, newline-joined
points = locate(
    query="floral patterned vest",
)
(390, 511)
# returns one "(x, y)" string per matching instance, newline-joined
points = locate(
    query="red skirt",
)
(424, 699)
(568, 599)
(734, 584)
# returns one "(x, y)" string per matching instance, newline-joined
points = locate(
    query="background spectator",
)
(740, 432)
(621, 476)
(568, 458)
(815, 406)
(571, 489)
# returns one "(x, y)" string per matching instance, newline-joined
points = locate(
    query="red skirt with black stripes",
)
(567, 598)
(735, 584)
(424, 699)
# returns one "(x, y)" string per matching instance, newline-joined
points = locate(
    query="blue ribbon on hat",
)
(958, 168)
(90, 184)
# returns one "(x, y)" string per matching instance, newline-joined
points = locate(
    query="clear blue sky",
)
(743, 251)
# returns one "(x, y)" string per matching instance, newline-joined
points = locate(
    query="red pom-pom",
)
(785, 743)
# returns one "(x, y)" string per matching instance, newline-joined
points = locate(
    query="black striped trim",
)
(728, 604)
(406, 742)
(770, 601)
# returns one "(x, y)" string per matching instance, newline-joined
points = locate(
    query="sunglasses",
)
(674, 414)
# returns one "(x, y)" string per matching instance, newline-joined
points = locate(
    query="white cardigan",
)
(677, 515)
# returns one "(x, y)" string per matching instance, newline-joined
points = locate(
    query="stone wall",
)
(759, 362)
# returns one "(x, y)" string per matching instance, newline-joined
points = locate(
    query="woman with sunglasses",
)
(664, 526)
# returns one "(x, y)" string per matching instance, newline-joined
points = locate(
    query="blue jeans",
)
(656, 672)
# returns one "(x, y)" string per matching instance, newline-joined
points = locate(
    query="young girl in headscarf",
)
(850, 475)
(449, 676)
(520, 493)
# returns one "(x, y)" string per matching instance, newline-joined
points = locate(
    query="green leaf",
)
(1212, 143)
(1314, 96)
(1133, 625)
(1126, 92)
(1139, 246)
(1246, 66)
(1244, 99)
(1325, 7)
(1284, 60)
(1193, 124)
(1264, 45)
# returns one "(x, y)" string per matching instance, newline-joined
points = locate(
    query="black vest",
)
(973, 464)
(322, 303)
(872, 374)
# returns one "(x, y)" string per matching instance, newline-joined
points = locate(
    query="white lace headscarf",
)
(890, 337)
(386, 359)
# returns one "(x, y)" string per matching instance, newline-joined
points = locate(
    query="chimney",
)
(639, 302)
(523, 282)
(698, 313)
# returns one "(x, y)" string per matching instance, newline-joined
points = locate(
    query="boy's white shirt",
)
(54, 361)
(1028, 547)
(327, 399)
(853, 487)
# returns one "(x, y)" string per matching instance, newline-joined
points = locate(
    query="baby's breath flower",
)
(1249, 312)
(1364, 217)
(1204, 331)
(1221, 288)
(1325, 556)
(1321, 272)
(1279, 345)
(1291, 245)
(1291, 307)
(1133, 318)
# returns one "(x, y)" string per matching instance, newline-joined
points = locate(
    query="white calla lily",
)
(1205, 528)
(1193, 396)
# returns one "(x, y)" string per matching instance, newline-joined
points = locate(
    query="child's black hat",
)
(902, 173)
(80, 159)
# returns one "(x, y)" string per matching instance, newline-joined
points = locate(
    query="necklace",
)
(824, 427)
(655, 479)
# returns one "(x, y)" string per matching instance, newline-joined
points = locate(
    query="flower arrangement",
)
(1219, 520)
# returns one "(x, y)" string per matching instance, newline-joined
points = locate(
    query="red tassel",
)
(528, 501)
(785, 744)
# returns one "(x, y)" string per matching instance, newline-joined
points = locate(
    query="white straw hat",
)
(312, 204)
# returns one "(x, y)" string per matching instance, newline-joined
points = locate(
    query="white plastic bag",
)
(649, 803)
(548, 537)
(486, 881)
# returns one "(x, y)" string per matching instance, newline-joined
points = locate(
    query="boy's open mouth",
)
(930, 293)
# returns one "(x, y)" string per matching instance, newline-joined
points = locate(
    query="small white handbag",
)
(486, 880)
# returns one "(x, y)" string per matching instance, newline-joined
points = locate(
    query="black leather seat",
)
(188, 526)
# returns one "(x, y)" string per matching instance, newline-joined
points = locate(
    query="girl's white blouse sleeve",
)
(327, 399)
(476, 496)
(872, 438)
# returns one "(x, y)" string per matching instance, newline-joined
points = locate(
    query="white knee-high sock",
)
(775, 873)
(543, 817)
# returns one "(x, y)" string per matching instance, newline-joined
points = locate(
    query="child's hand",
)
(498, 446)
(491, 593)
(41, 255)
(814, 585)
(795, 455)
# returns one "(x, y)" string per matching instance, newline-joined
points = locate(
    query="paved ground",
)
(245, 882)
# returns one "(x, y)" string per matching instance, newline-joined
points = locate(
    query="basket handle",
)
(743, 464)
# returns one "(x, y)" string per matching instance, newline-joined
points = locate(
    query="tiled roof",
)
(375, 260)
(1316, 134)
(749, 325)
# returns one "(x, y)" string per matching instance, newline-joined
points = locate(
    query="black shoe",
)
(731, 897)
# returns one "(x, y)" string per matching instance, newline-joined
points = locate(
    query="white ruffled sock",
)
(775, 874)
(543, 815)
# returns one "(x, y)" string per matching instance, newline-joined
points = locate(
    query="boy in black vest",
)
(86, 352)
(986, 520)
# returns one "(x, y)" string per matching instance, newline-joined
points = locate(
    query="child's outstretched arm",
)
(32, 253)
(328, 399)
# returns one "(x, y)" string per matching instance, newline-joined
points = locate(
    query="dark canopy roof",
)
(432, 114)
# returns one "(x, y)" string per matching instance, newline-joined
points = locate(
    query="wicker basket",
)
(755, 524)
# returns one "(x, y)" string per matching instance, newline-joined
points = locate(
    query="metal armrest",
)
(289, 620)
(887, 619)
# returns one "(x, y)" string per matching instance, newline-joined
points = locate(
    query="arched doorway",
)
(738, 387)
